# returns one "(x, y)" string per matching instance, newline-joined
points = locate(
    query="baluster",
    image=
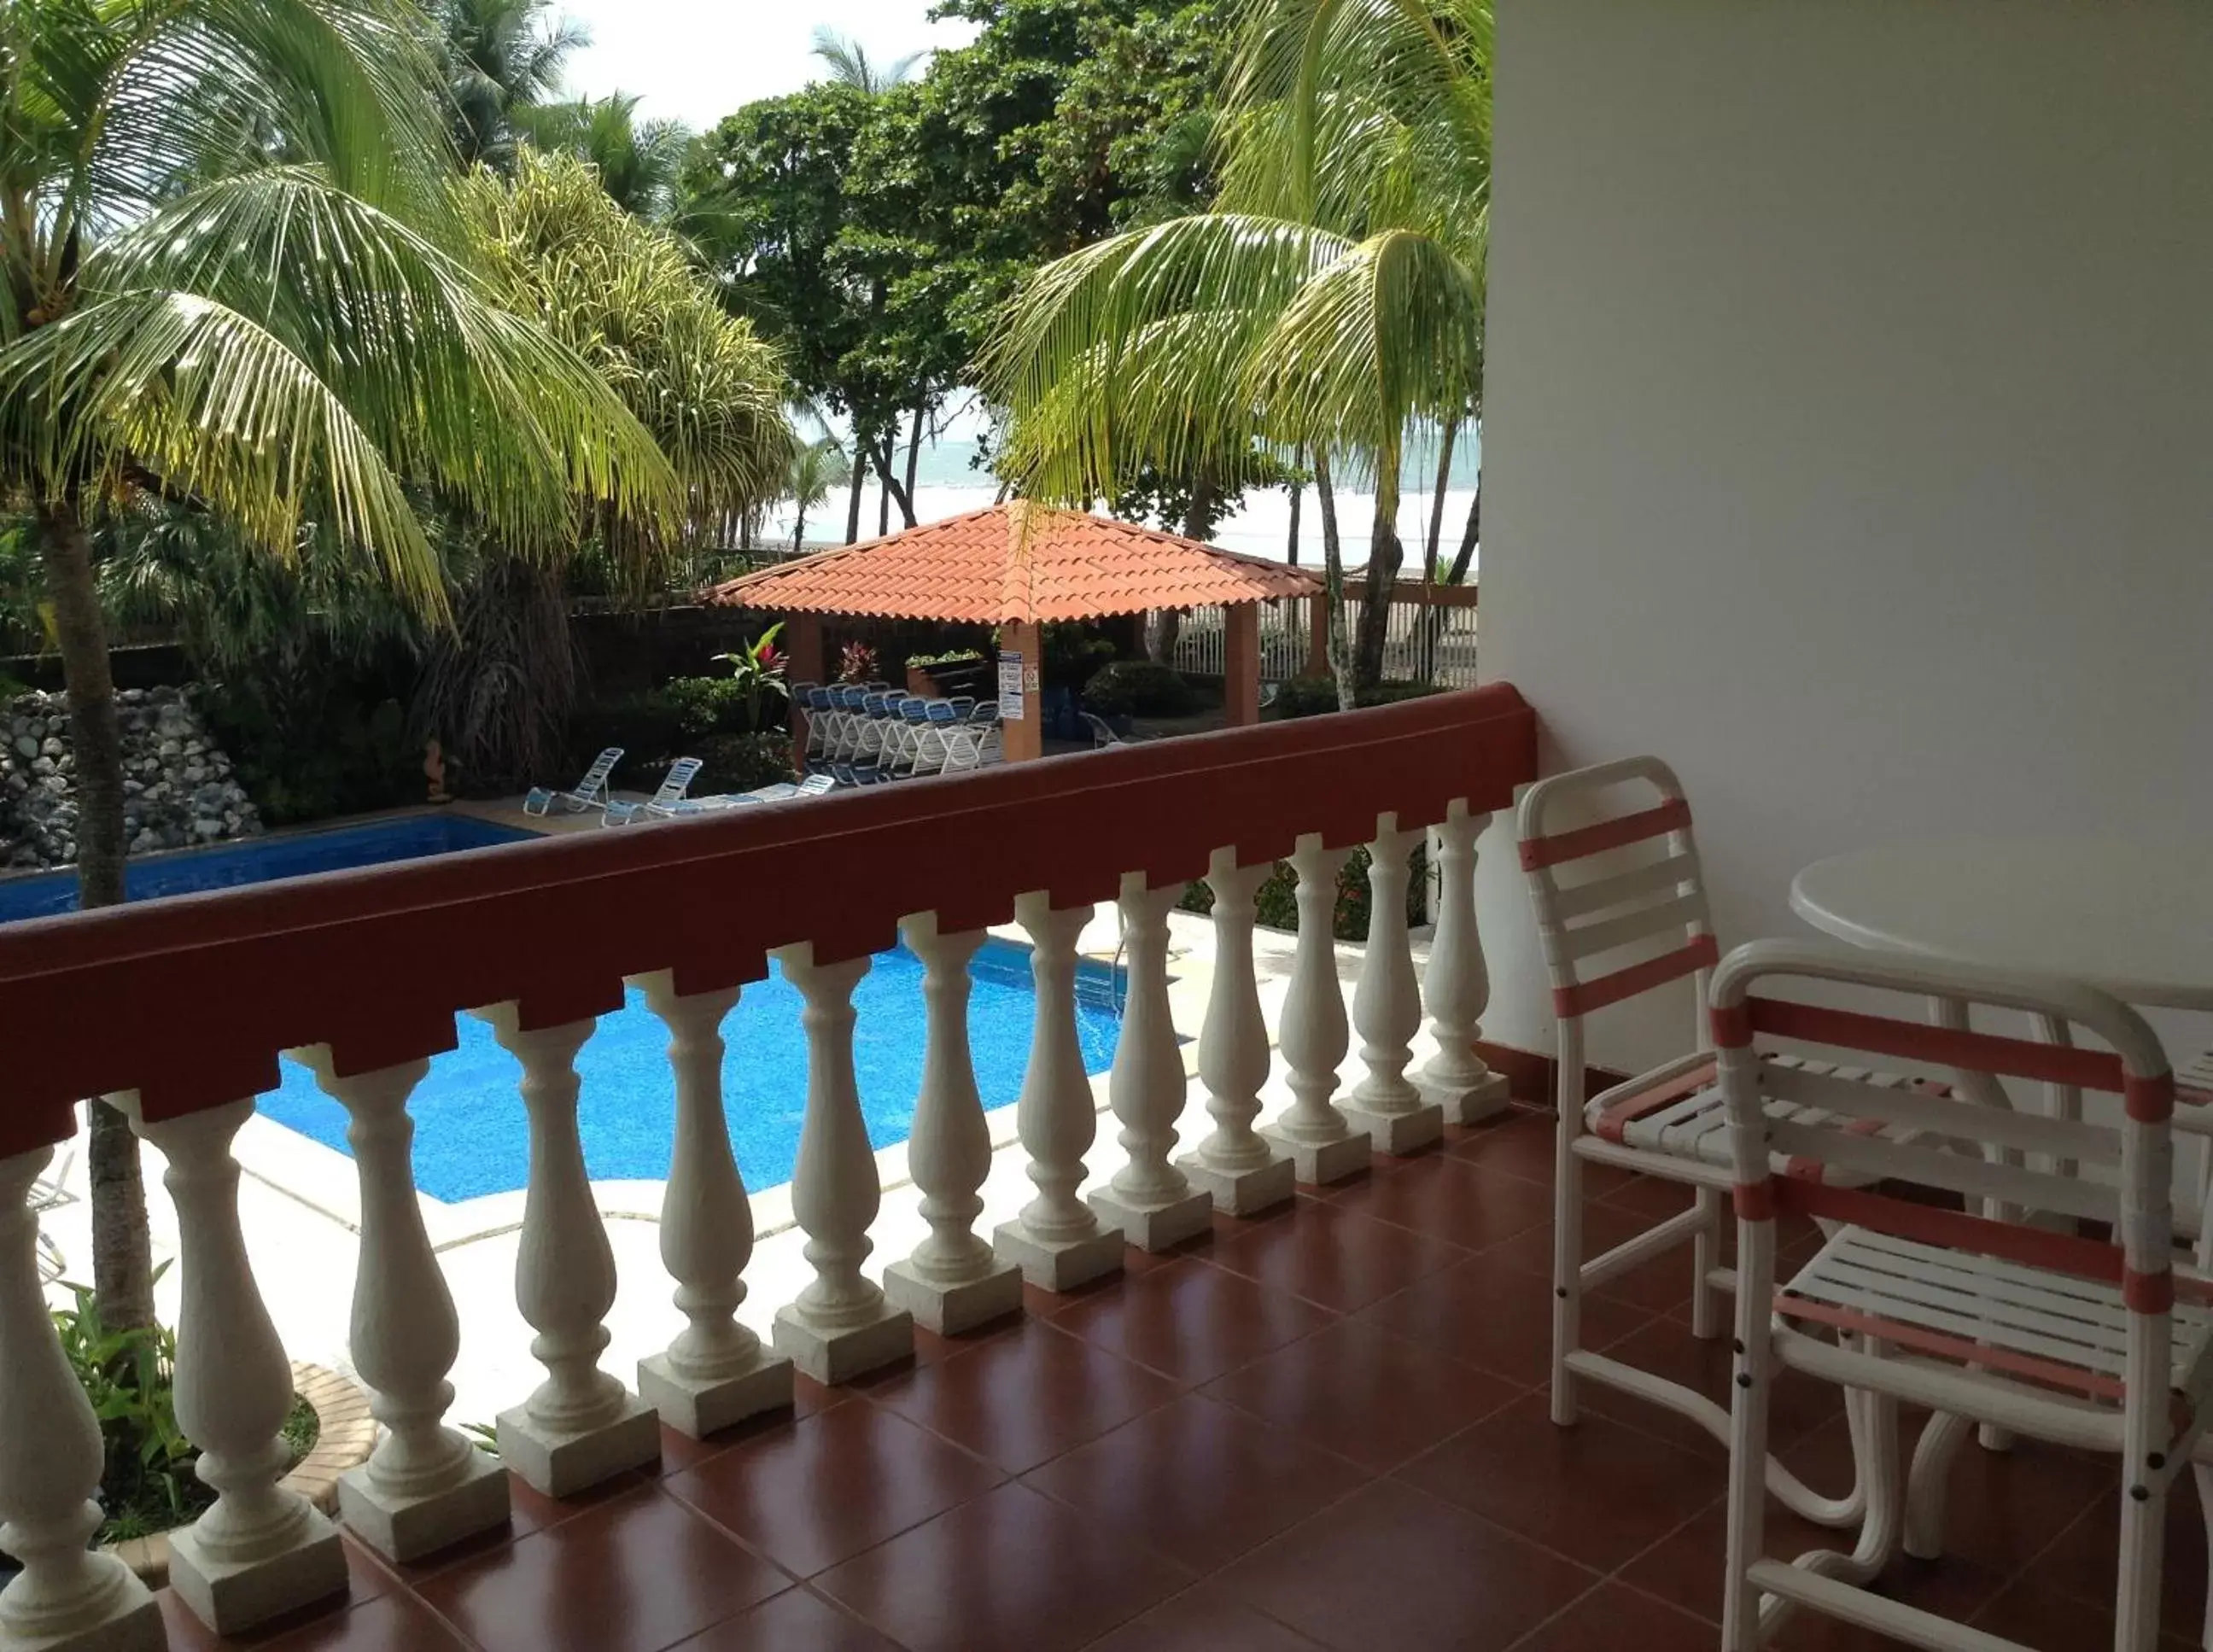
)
(1149, 1200)
(68, 1597)
(1234, 1164)
(716, 1373)
(840, 1325)
(425, 1486)
(1387, 1007)
(261, 1550)
(1057, 1240)
(1323, 1146)
(952, 1282)
(581, 1425)
(1456, 1078)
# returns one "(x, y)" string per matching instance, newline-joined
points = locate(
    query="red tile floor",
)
(1320, 1429)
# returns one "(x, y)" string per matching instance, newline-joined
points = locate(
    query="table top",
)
(2133, 918)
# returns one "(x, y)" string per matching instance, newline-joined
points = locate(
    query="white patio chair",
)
(1981, 1311)
(1649, 899)
(667, 800)
(590, 792)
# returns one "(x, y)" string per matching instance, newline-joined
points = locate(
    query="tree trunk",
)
(881, 457)
(914, 451)
(1291, 551)
(798, 529)
(1427, 665)
(1333, 566)
(884, 494)
(122, 1244)
(1384, 556)
(860, 480)
(1470, 537)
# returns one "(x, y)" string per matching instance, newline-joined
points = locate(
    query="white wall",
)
(1849, 432)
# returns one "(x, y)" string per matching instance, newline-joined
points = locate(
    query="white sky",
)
(697, 60)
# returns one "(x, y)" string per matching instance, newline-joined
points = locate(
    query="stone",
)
(557, 1464)
(26, 745)
(231, 1597)
(839, 1355)
(406, 1528)
(1061, 1263)
(50, 747)
(949, 1310)
(700, 1407)
(1152, 1227)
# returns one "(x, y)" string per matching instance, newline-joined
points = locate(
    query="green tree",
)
(501, 57)
(639, 162)
(226, 279)
(1332, 295)
(817, 466)
(850, 65)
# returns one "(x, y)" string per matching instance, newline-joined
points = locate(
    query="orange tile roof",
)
(1017, 561)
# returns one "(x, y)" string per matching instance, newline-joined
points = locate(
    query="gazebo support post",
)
(1241, 664)
(802, 642)
(1023, 735)
(1318, 663)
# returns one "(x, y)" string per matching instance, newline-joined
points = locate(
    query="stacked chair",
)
(869, 734)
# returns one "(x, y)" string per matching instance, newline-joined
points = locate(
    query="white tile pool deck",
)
(300, 1206)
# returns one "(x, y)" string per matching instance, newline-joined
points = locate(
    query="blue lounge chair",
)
(666, 803)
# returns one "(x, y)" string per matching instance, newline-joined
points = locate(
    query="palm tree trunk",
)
(799, 529)
(1291, 551)
(1469, 536)
(1384, 556)
(884, 494)
(122, 1245)
(914, 452)
(860, 480)
(1428, 631)
(1333, 566)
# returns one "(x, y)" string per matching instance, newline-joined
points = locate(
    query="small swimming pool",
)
(258, 860)
(472, 1136)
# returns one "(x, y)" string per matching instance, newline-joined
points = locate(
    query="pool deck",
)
(300, 1209)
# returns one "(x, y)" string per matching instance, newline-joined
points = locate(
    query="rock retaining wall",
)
(177, 787)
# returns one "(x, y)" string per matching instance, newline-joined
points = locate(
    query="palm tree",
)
(501, 58)
(226, 281)
(1333, 295)
(817, 467)
(638, 161)
(850, 65)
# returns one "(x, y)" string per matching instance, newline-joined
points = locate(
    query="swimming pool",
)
(472, 1136)
(258, 860)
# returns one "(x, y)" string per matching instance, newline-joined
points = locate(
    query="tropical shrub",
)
(950, 657)
(1277, 900)
(857, 663)
(1074, 652)
(332, 747)
(1139, 688)
(741, 762)
(1313, 696)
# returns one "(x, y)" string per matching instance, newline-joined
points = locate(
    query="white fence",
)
(1201, 643)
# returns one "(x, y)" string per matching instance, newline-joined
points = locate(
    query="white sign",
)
(1010, 686)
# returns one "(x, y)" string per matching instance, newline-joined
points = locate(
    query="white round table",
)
(2133, 918)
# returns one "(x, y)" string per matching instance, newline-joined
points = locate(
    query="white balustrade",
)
(952, 1280)
(261, 1550)
(581, 1425)
(425, 1486)
(1386, 1006)
(840, 1325)
(1149, 1199)
(1323, 1145)
(69, 1598)
(1234, 1164)
(1057, 1240)
(714, 1374)
(1458, 986)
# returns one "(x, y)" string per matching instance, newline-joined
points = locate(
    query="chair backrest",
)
(984, 711)
(677, 780)
(943, 711)
(1588, 909)
(2015, 1163)
(1102, 733)
(815, 785)
(596, 777)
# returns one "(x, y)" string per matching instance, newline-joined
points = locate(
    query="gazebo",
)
(1020, 567)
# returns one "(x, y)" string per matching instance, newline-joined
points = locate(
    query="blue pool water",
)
(473, 1137)
(289, 854)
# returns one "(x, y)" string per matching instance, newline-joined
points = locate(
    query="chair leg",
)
(1928, 1482)
(1747, 1467)
(2143, 1540)
(1567, 1265)
(1707, 1314)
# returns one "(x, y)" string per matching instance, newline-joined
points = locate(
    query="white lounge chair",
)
(666, 803)
(590, 792)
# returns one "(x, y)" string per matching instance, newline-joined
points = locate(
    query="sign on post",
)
(1010, 686)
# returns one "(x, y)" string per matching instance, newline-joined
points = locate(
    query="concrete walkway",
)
(301, 1210)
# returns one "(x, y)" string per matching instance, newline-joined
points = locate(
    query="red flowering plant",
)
(758, 669)
(857, 663)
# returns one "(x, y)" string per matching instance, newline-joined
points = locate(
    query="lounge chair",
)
(590, 792)
(665, 803)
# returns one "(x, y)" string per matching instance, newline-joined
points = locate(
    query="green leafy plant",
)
(741, 762)
(757, 671)
(1277, 900)
(147, 1482)
(857, 663)
(1139, 688)
(1313, 696)
(950, 657)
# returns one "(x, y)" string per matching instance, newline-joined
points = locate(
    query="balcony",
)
(1204, 1410)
